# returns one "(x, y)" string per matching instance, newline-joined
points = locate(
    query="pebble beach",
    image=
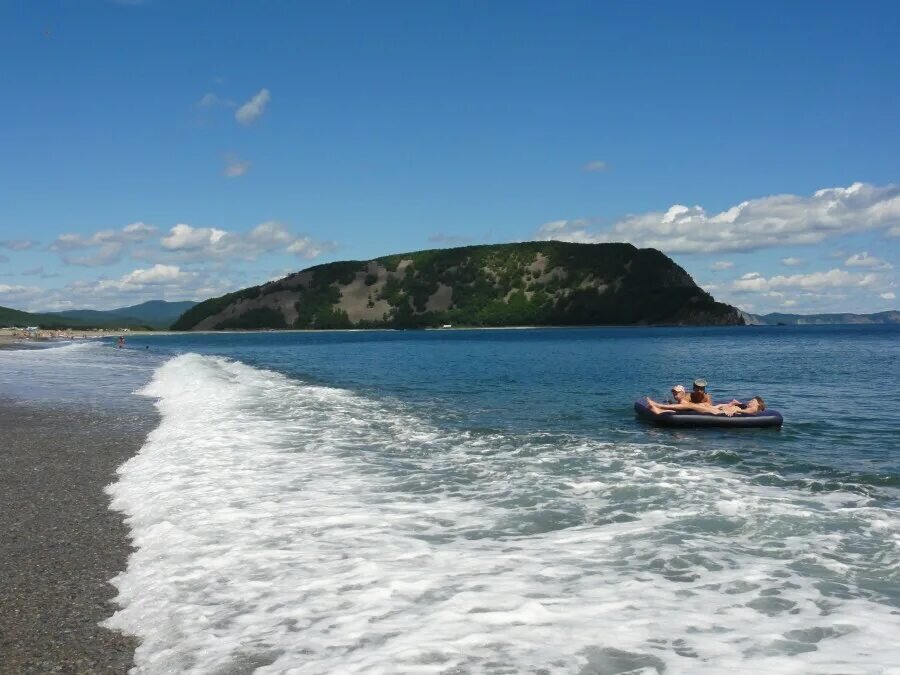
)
(60, 543)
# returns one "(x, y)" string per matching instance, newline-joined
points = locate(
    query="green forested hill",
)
(157, 314)
(531, 283)
(14, 317)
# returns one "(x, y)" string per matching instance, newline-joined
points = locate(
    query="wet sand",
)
(59, 542)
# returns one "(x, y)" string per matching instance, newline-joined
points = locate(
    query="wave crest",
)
(282, 526)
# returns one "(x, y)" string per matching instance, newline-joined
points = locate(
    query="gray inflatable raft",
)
(766, 418)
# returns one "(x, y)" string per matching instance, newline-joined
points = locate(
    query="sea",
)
(485, 501)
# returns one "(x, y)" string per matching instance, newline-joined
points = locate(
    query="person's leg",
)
(656, 409)
(665, 406)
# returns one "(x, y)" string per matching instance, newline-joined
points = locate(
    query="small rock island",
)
(540, 283)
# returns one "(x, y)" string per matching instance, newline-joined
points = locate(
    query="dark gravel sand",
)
(59, 542)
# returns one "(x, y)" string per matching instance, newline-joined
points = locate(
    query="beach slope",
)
(60, 543)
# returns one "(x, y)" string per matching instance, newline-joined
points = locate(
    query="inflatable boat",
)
(766, 418)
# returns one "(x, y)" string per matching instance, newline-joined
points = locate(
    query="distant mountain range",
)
(777, 319)
(538, 283)
(155, 314)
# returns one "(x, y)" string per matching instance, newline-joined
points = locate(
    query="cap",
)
(678, 387)
(700, 382)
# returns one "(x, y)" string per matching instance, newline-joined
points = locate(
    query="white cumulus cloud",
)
(778, 220)
(253, 109)
(835, 278)
(865, 260)
(208, 243)
(158, 274)
(186, 238)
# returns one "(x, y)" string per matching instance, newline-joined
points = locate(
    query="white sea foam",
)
(288, 528)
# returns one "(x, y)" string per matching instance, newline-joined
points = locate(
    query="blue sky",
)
(181, 149)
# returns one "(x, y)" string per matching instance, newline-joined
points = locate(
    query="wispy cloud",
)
(159, 281)
(210, 100)
(595, 166)
(103, 248)
(253, 109)
(13, 295)
(235, 167)
(449, 239)
(721, 265)
(779, 220)
(18, 244)
(791, 261)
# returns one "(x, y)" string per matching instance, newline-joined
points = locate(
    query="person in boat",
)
(754, 405)
(699, 394)
(679, 394)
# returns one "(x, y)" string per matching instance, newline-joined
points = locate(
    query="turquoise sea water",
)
(485, 501)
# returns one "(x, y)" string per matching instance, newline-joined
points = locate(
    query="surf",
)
(280, 525)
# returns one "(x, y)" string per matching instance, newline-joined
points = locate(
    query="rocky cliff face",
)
(532, 283)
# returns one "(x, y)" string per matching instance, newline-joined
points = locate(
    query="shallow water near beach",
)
(485, 501)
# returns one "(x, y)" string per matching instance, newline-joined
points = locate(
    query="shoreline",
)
(62, 544)
(14, 339)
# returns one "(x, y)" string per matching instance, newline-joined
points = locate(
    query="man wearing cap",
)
(699, 394)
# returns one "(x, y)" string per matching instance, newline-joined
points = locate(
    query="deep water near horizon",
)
(483, 501)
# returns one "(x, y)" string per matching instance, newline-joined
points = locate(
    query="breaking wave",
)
(284, 527)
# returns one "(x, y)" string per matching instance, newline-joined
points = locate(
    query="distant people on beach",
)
(121, 342)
